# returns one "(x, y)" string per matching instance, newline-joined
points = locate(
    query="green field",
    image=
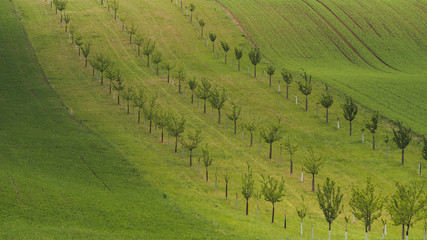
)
(59, 196)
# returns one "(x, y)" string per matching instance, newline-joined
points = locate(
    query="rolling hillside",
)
(141, 171)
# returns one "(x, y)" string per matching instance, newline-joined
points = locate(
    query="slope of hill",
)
(374, 51)
(349, 161)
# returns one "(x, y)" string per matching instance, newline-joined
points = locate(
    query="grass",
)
(349, 161)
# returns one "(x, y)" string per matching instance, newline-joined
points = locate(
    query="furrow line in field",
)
(357, 37)
(93, 172)
(341, 36)
(351, 18)
(18, 195)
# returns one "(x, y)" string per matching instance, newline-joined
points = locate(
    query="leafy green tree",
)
(272, 134)
(327, 100)
(407, 205)
(305, 87)
(157, 59)
(86, 51)
(192, 84)
(168, 67)
(111, 74)
(115, 6)
(149, 110)
(127, 95)
(350, 110)
(102, 63)
(270, 71)
(424, 151)
(402, 138)
(131, 30)
(61, 5)
(302, 212)
(372, 126)
(118, 85)
(251, 127)
(255, 58)
(192, 8)
(313, 164)
(180, 75)
(139, 40)
(161, 120)
(329, 199)
(148, 49)
(78, 40)
(247, 186)
(226, 48)
(139, 101)
(175, 128)
(288, 79)
(212, 37)
(67, 18)
(192, 142)
(204, 92)
(207, 160)
(238, 52)
(227, 178)
(234, 115)
(273, 191)
(366, 205)
(123, 20)
(291, 149)
(202, 25)
(217, 100)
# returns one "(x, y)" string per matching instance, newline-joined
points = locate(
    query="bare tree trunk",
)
(327, 113)
(306, 103)
(226, 190)
(252, 138)
(102, 77)
(247, 207)
(139, 114)
(403, 156)
(176, 144)
(312, 184)
(270, 81)
(238, 64)
(254, 71)
(191, 160)
(127, 107)
(403, 231)
(235, 127)
(162, 134)
(350, 128)
(272, 216)
(287, 91)
(271, 150)
(192, 97)
(207, 175)
(373, 141)
(204, 105)
(148, 60)
(219, 116)
(292, 163)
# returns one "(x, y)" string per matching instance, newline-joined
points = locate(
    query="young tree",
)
(162, 120)
(423, 152)
(123, 20)
(72, 33)
(115, 6)
(128, 96)
(86, 51)
(131, 30)
(192, 84)
(372, 126)
(139, 101)
(175, 128)
(139, 40)
(247, 186)
(148, 49)
(302, 212)
(326, 100)
(102, 64)
(407, 205)
(217, 100)
(67, 18)
(288, 79)
(251, 127)
(350, 110)
(202, 25)
(227, 180)
(402, 138)
(291, 149)
(204, 92)
(226, 48)
(270, 71)
(149, 110)
(212, 37)
(157, 59)
(366, 205)
(234, 115)
(305, 87)
(192, 142)
(272, 134)
(118, 85)
(111, 74)
(192, 8)
(238, 52)
(272, 190)
(61, 5)
(329, 199)
(180, 75)
(255, 58)
(78, 40)
(207, 160)
(313, 164)
(168, 67)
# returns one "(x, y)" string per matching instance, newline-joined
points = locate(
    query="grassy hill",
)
(349, 161)
(374, 51)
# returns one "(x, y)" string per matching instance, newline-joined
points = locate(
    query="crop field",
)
(374, 51)
(77, 139)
